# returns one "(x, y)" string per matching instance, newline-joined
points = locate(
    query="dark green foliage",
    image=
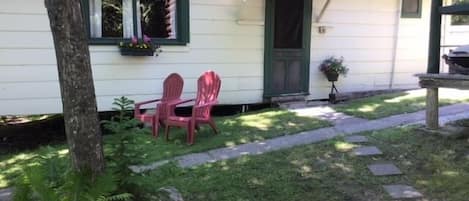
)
(124, 120)
(52, 179)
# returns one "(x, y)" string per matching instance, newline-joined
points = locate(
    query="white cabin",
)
(383, 43)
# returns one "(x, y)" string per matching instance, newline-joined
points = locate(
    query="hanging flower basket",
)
(332, 76)
(332, 67)
(139, 48)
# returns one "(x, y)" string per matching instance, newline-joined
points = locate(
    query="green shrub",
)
(53, 180)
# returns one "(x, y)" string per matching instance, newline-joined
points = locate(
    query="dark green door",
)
(287, 47)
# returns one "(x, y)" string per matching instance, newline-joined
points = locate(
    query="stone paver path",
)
(384, 169)
(367, 151)
(5, 194)
(342, 127)
(356, 139)
(402, 191)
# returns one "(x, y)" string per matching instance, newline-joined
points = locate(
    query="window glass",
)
(156, 18)
(110, 21)
(411, 8)
(112, 18)
(460, 19)
(288, 24)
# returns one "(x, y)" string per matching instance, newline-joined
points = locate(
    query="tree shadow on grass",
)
(234, 130)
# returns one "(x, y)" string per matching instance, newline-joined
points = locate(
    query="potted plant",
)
(332, 67)
(139, 48)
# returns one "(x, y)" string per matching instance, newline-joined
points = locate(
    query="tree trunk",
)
(76, 85)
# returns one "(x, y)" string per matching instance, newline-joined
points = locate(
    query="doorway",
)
(287, 47)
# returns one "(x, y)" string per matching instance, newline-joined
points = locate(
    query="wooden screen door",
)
(287, 47)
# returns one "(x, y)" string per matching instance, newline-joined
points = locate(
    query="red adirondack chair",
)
(208, 87)
(172, 90)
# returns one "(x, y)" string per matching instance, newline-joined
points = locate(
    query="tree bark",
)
(76, 85)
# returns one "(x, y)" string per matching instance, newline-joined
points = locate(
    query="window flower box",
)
(128, 51)
(136, 48)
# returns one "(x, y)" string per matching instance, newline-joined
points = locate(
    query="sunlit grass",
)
(398, 103)
(12, 164)
(344, 146)
(327, 171)
(235, 130)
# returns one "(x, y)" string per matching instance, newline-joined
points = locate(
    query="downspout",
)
(394, 46)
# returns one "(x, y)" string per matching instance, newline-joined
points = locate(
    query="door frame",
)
(269, 46)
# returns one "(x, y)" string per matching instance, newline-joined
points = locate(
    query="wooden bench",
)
(434, 81)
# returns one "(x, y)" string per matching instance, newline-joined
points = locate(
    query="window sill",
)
(115, 41)
(164, 48)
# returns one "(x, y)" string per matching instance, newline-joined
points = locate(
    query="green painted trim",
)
(85, 7)
(418, 14)
(435, 38)
(182, 18)
(134, 17)
(104, 41)
(307, 28)
(269, 43)
(462, 9)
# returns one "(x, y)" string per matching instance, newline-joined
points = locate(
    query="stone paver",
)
(384, 169)
(5, 194)
(402, 191)
(346, 126)
(367, 151)
(193, 159)
(356, 139)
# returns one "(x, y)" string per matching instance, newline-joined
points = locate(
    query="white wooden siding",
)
(364, 33)
(28, 75)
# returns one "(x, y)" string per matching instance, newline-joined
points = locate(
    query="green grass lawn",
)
(380, 106)
(239, 129)
(437, 167)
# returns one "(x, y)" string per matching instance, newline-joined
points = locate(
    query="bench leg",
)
(432, 108)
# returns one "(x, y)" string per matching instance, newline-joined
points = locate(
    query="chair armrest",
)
(138, 105)
(175, 103)
(211, 103)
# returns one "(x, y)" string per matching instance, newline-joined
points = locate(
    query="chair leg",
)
(166, 132)
(154, 128)
(213, 125)
(190, 133)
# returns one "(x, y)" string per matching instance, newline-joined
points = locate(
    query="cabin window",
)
(411, 9)
(460, 19)
(111, 21)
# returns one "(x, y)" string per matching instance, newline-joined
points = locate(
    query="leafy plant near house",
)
(47, 181)
(126, 127)
(332, 67)
(124, 120)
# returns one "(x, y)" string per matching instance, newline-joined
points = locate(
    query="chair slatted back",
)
(172, 90)
(172, 87)
(208, 88)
